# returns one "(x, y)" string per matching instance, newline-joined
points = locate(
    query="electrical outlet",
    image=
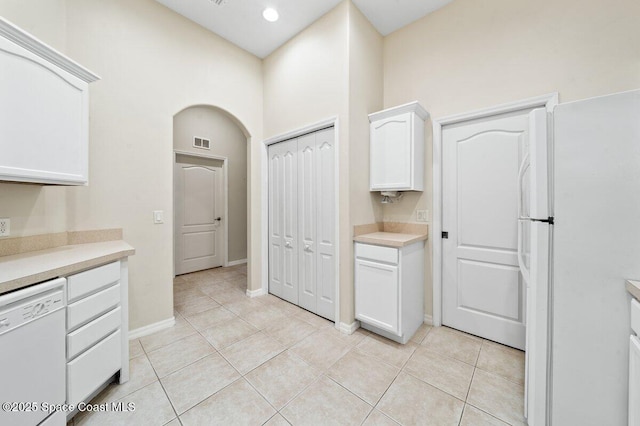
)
(422, 215)
(5, 227)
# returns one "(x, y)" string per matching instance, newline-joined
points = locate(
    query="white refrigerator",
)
(579, 231)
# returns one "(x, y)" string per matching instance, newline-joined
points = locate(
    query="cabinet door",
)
(43, 120)
(634, 381)
(391, 156)
(377, 294)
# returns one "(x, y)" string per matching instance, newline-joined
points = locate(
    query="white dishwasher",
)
(32, 354)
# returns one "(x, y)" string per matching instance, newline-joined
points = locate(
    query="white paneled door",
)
(198, 216)
(302, 221)
(283, 220)
(483, 291)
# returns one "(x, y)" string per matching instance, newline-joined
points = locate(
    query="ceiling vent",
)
(219, 2)
(201, 143)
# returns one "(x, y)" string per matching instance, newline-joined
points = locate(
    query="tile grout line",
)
(289, 347)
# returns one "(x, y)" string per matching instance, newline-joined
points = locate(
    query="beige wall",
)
(306, 81)
(332, 68)
(227, 140)
(36, 209)
(153, 64)
(45, 19)
(470, 55)
(365, 97)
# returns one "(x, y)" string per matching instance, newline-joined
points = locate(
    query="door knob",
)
(307, 247)
(218, 219)
(287, 244)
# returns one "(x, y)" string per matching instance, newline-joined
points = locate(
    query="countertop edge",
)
(66, 269)
(633, 287)
(390, 243)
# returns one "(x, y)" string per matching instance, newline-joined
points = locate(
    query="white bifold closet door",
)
(302, 222)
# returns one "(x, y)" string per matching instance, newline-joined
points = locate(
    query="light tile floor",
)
(234, 360)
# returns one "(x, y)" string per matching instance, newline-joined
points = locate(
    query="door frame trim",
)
(225, 196)
(548, 101)
(310, 128)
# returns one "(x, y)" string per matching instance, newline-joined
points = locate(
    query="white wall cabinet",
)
(397, 148)
(302, 216)
(44, 112)
(389, 289)
(97, 324)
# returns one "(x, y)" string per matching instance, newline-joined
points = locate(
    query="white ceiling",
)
(390, 15)
(241, 21)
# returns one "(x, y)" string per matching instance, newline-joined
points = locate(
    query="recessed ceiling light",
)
(270, 14)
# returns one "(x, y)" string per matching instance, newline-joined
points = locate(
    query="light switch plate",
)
(158, 216)
(422, 215)
(5, 227)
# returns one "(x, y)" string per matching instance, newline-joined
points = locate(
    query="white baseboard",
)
(349, 328)
(256, 293)
(236, 262)
(428, 319)
(151, 328)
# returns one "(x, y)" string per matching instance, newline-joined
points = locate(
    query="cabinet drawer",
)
(93, 332)
(377, 253)
(635, 316)
(91, 369)
(93, 306)
(87, 282)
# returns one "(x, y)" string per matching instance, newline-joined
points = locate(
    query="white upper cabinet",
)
(44, 112)
(397, 148)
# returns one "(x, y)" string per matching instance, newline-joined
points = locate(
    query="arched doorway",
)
(210, 190)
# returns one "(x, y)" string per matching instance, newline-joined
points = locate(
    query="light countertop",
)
(24, 269)
(633, 287)
(390, 239)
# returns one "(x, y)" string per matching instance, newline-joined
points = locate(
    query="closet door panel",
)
(290, 221)
(307, 214)
(325, 237)
(276, 239)
(302, 206)
(283, 259)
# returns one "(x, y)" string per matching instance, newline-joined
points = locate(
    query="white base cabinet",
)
(97, 324)
(389, 289)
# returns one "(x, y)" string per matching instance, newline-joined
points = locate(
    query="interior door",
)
(302, 266)
(198, 215)
(283, 220)
(483, 291)
(308, 220)
(326, 223)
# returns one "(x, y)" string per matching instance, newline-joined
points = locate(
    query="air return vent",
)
(201, 143)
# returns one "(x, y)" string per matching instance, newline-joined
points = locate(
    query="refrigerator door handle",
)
(521, 173)
(521, 263)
